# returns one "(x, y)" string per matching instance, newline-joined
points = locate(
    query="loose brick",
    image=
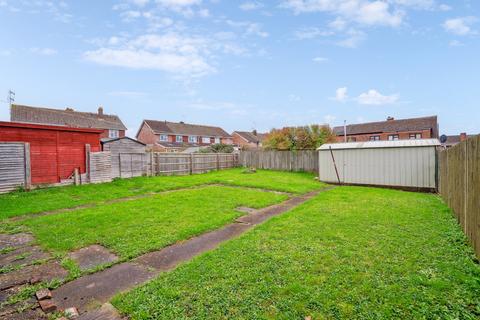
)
(71, 313)
(48, 305)
(43, 294)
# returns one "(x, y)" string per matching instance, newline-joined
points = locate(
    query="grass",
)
(350, 252)
(133, 227)
(40, 200)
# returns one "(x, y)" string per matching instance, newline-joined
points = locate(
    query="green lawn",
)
(351, 252)
(133, 227)
(22, 203)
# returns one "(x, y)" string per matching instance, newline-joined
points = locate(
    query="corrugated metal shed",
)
(402, 163)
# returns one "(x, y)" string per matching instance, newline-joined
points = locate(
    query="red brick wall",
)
(147, 136)
(405, 135)
(238, 140)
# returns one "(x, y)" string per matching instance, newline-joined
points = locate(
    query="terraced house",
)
(111, 124)
(391, 130)
(165, 136)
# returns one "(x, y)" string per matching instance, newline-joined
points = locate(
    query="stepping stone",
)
(33, 274)
(24, 255)
(106, 312)
(92, 256)
(15, 240)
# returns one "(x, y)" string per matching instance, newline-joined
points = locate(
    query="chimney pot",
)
(463, 136)
(69, 109)
(390, 118)
(100, 110)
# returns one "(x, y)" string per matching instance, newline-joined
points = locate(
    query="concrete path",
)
(89, 292)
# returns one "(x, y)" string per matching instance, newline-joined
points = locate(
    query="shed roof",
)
(381, 144)
(109, 140)
(67, 117)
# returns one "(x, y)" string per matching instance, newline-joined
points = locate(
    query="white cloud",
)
(353, 39)
(140, 3)
(172, 53)
(44, 51)
(358, 11)
(455, 43)
(460, 26)
(178, 3)
(250, 28)
(373, 97)
(341, 94)
(319, 59)
(251, 5)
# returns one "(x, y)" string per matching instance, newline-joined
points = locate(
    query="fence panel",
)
(14, 166)
(460, 186)
(189, 163)
(302, 160)
(131, 165)
(100, 167)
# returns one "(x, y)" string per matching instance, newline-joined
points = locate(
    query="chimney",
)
(100, 111)
(254, 132)
(69, 109)
(182, 122)
(390, 118)
(463, 136)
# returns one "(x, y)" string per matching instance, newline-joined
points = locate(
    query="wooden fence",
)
(15, 168)
(190, 163)
(100, 167)
(304, 160)
(459, 185)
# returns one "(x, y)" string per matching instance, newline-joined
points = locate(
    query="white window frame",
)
(112, 133)
(217, 140)
(393, 137)
(192, 139)
(205, 140)
(415, 136)
(178, 138)
(163, 138)
(374, 138)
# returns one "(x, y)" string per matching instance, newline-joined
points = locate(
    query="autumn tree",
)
(299, 138)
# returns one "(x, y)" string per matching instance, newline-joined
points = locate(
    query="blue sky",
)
(246, 64)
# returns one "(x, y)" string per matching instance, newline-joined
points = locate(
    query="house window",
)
(217, 140)
(192, 139)
(392, 137)
(205, 140)
(179, 138)
(113, 133)
(352, 139)
(163, 137)
(374, 138)
(414, 136)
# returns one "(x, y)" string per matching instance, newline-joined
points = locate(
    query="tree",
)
(299, 138)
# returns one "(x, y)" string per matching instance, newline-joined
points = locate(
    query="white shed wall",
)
(404, 167)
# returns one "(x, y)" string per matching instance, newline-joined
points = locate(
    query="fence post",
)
(191, 163)
(152, 165)
(465, 187)
(28, 168)
(158, 163)
(218, 162)
(87, 161)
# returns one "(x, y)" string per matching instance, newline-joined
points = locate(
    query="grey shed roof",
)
(67, 117)
(188, 129)
(381, 144)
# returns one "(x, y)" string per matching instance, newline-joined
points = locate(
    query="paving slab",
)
(101, 286)
(106, 312)
(33, 274)
(23, 256)
(92, 256)
(15, 240)
(170, 257)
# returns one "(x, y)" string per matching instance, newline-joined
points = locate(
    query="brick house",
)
(248, 140)
(111, 125)
(391, 129)
(450, 141)
(165, 136)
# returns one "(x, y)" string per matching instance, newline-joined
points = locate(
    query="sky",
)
(245, 65)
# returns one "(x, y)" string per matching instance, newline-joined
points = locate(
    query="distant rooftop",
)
(381, 144)
(181, 128)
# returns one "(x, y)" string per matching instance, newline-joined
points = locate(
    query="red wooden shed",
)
(55, 151)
